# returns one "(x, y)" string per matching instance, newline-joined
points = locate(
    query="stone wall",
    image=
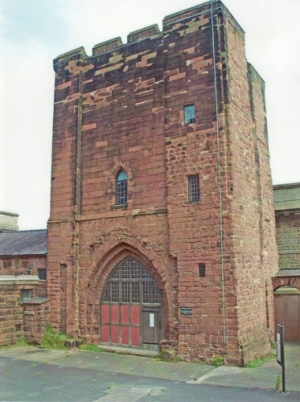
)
(123, 108)
(288, 239)
(11, 315)
(25, 266)
(11, 306)
(22, 265)
(251, 237)
(16, 275)
(36, 318)
(287, 209)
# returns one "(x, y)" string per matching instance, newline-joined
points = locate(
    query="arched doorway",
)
(131, 307)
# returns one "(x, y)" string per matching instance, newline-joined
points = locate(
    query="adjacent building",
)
(287, 279)
(8, 221)
(24, 307)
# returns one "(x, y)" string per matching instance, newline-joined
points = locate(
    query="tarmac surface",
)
(33, 374)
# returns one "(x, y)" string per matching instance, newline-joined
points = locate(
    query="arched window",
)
(131, 282)
(121, 188)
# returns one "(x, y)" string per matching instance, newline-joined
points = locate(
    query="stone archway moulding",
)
(111, 259)
(291, 281)
(105, 266)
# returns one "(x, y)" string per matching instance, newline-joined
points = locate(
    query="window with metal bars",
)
(26, 294)
(189, 114)
(121, 188)
(42, 273)
(202, 273)
(193, 188)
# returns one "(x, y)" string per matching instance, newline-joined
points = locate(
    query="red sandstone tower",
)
(162, 228)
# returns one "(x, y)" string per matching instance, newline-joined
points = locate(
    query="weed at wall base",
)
(53, 339)
(259, 362)
(278, 382)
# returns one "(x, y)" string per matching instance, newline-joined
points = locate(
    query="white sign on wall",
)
(151, 320)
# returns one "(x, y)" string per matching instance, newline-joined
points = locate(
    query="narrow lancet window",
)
(121, 188)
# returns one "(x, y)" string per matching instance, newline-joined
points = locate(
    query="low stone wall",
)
(11, 315)
(14, 323)
(36, 313)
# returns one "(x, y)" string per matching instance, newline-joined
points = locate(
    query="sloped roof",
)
(286, 197)
(289, 272)
(27, 242)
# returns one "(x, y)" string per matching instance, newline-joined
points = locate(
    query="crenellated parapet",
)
(150, 32)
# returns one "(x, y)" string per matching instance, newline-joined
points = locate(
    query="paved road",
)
(30, 374)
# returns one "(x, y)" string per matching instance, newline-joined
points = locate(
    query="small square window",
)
(42, 273)
(7, 263)
(26, 294)
(201, 270)
(193, 188)
(189, 114)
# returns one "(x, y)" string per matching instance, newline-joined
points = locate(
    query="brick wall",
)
(288, 239)
(25, 265)
(287, 209)
(123, 108)
(22, 265)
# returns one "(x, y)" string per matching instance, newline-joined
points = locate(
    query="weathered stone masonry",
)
(24, 307)
(123, 109)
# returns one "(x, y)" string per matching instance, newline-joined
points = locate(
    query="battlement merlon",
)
(76, 54)
(107, 46)
(201, 9)
(143, 33)
(150, 31)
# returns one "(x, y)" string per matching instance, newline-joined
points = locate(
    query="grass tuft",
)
(217, 361)
(259, 362)
(168, 356)
(90, 347)
(278, 382)
(53, 339)
(21, 342)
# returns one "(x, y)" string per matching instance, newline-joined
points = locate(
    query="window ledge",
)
(121, 206)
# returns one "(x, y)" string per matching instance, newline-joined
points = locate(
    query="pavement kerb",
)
(218, 371)
(263, 377)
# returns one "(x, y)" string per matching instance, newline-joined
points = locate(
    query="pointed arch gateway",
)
(131, 313)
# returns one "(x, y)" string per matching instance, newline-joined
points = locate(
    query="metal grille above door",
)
(129, 291)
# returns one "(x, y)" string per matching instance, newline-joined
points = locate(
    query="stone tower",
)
(162, 233)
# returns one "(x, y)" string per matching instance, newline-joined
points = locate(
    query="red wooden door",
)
(131, 310)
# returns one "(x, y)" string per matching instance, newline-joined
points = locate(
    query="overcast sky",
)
(34, 32)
